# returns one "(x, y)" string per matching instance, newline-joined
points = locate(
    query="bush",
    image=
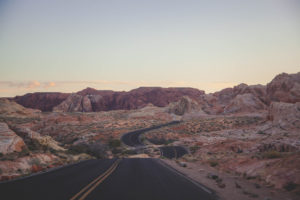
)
(193, 149)
(213, 163)
(96, 149)
(290, 186)
(114, 143)
(271, 154)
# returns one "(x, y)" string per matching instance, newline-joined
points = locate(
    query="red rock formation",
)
(137, 98)
(9, 141)
(285, 88)
(43, 101)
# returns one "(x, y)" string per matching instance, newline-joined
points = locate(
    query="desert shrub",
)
(290, 186)
(129, 152)
(193, 149)
(1, 154)
(213, 163)
(24, 152)
(114, 143)
(261, 132)
(96, 149)
(271, 154)
(35, 161)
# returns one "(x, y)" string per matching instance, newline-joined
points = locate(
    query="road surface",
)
(172, 151)
(133, 138)
(127, 179)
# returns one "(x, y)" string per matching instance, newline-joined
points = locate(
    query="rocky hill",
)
(241, 98)
(43, 101)
(89, 99)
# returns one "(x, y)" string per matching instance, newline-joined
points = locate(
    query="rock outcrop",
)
(75, 103)
(285, 115)
(43, 101)
(11, 108)
(93, 100)
(28, 135)
(284, 88)
(183, 106)
(244, 103)
(9, 141)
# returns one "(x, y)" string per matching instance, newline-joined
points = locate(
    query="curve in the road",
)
(133, 138)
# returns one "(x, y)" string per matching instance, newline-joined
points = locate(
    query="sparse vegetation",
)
(290, 186)
(213, 163)
(193, 149)
(271, 154)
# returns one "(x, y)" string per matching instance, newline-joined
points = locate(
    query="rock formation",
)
(93, 100)
(43, 101)
(284, 88)
(9, 141)
(183, 106)
(244, 103)
(285, 115)
(75, 103)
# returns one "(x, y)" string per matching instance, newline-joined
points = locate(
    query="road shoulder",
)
(227, 186)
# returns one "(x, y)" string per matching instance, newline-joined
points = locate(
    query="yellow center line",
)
(97, 179)
(100, 181)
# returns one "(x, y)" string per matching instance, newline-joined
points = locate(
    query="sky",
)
(68, 45)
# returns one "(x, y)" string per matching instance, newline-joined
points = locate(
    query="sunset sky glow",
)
(68, 45)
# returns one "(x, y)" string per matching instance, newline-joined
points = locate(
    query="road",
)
(126, 179)
(133, 138)
(173, 151)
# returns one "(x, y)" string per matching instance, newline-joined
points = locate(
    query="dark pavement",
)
(132, 138)
(140, 179)
(62, 183)
(173, 151)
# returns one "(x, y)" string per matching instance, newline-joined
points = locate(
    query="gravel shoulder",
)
(227, 186)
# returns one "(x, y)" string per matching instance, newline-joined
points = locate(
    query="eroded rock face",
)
(183, 106)
(93, 100)
(9, 141)
(28, 134)
(285, 115)
(43, 101)
(244, 103)
(11, 108)
(75, 103)
(284, 88)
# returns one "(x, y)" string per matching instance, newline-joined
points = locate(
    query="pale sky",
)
(67, 45)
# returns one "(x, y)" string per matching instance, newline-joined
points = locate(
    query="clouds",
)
(13, 88)
(26, 84)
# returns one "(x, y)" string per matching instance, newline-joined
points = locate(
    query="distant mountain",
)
(89, 99)
(242, 98)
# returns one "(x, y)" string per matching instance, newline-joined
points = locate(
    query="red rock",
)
(9, 141)
(94, 100)
(43, 101)
(284, 88)
(36, 168)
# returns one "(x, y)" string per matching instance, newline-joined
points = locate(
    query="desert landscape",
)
(150, 100)
(249, 132)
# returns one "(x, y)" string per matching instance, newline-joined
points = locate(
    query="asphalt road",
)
(133, 138)
(127, 179)
(173, 151)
